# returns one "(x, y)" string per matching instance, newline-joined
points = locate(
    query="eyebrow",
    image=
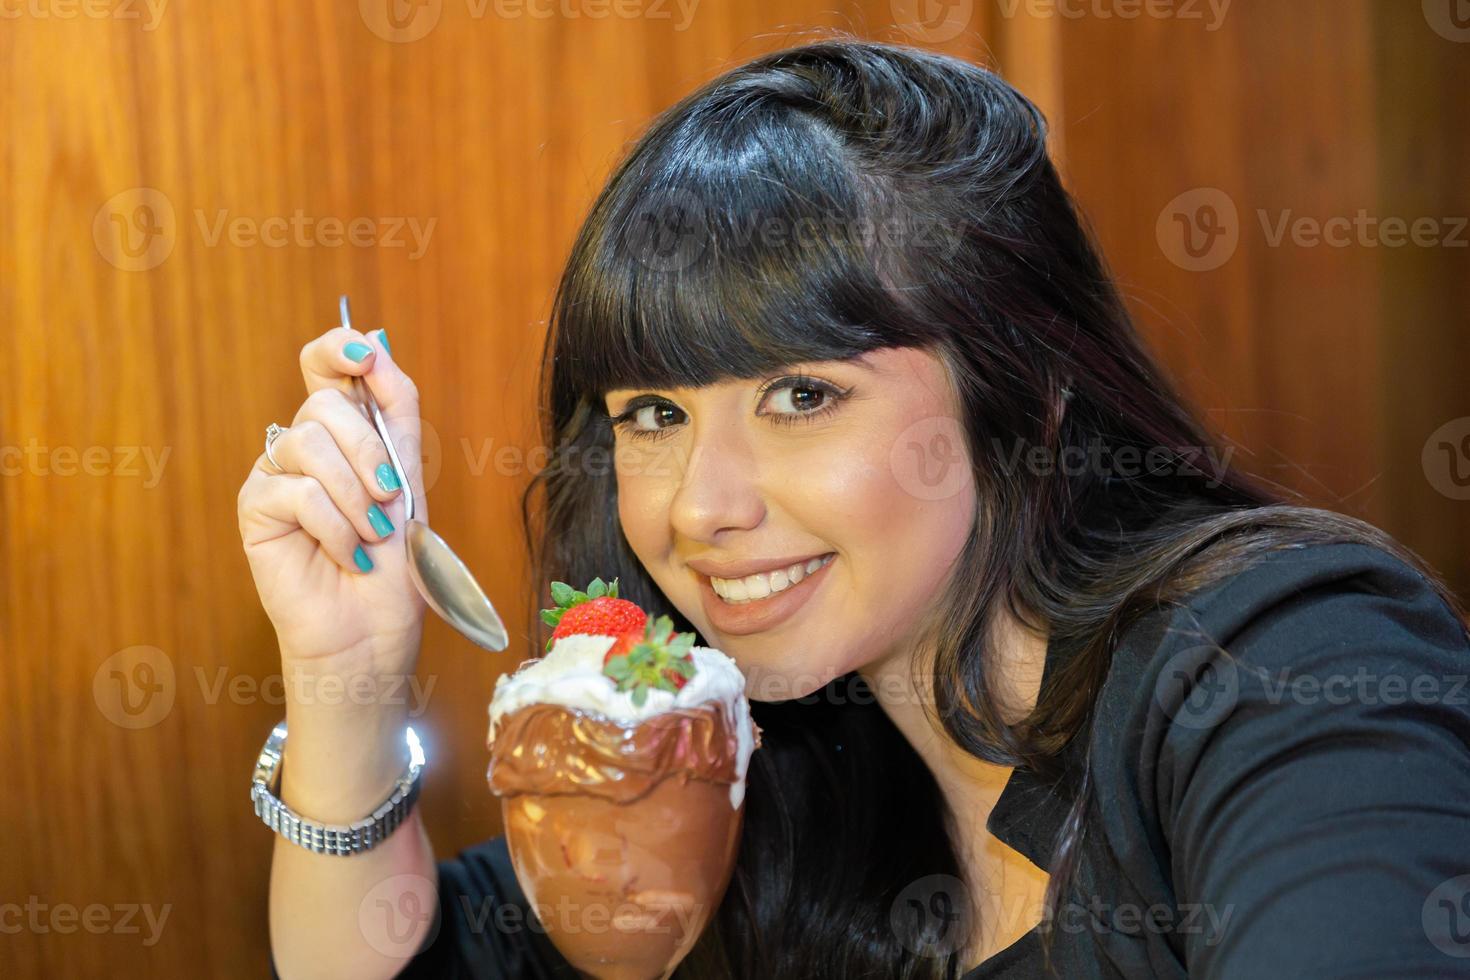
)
(863, 360)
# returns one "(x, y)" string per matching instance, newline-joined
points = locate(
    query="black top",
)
(1296, 807)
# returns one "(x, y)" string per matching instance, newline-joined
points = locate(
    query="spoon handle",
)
(365, 396)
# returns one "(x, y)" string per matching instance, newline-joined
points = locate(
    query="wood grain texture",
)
(137, 373)
(1329, 357)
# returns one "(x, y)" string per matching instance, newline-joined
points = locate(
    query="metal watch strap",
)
(335, 839)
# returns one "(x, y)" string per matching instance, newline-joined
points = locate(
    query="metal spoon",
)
(441, 578)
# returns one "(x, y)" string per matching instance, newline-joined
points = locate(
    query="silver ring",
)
(272, 433)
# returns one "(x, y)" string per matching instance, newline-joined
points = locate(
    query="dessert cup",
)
(622, 811)
(623, 837)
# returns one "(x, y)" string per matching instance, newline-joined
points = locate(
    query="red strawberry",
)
(598, 611)
(624, 643)
(655, 658)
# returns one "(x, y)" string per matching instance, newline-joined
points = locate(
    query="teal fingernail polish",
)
(387, 479)
(383, 336)
(364, 563)
(379, 521)
(357, 350)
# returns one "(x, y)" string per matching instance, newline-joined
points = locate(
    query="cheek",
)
(880, 495)
(898, 543)
(645, 488)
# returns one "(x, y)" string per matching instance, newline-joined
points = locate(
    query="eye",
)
(795, 398)
(800, 398)
(646, 417)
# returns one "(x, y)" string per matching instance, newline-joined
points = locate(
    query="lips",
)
(740, 569)
(741, 619)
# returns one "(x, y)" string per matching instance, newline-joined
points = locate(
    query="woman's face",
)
(860, 463)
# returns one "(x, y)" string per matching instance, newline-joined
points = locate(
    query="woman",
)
(1049, 704)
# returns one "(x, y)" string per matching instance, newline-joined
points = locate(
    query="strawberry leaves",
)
(659, 661)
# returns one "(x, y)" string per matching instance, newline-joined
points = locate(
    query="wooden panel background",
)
(137, 374)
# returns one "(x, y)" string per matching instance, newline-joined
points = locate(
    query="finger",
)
(355, 437)
(308, 449)
(297, 501)
(398, 399)
(334, 358)
(395, 392)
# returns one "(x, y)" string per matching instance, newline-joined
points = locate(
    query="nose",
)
(719, 487)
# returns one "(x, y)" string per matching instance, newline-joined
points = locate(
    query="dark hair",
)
(916, 207)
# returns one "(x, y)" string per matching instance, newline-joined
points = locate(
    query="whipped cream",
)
(570, 675)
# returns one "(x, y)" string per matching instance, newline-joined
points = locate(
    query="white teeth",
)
(766, 583)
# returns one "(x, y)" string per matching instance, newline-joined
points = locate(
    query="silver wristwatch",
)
(353, 838)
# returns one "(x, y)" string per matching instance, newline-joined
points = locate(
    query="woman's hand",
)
(310, 534)
(332, 582)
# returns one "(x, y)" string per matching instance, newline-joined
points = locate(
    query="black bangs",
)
(725, 256)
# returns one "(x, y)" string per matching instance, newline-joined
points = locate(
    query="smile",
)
(755, 587)
(737, 607)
